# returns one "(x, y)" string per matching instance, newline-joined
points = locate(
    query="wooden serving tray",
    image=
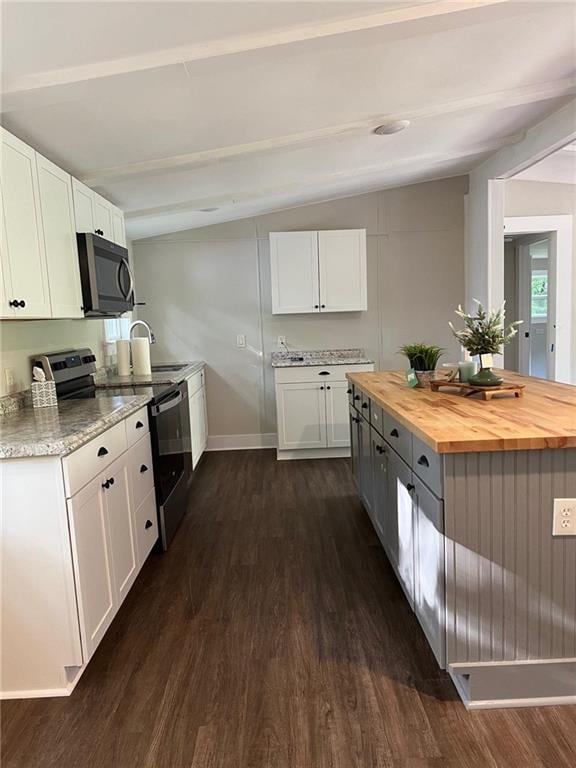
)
(486, 393)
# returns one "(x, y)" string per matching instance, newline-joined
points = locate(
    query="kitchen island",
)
(461, 494)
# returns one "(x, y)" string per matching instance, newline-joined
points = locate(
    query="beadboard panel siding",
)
(510, 585)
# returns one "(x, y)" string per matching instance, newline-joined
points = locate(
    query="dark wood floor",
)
(273, 635)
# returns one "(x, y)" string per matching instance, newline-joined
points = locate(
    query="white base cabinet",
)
(87, 535)
(198, 416)
(312, 410)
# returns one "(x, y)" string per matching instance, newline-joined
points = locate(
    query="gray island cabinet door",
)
(399, 529)
(429, 593)
(380, 485)
(355, 446)
(366, 481)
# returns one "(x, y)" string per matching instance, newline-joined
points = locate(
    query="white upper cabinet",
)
(95, 214)
(294, 267)
(118, 230)
(22, 258)
(342, 260)
(83, 207)
(318, 271)
(103, 217)
(57, 212)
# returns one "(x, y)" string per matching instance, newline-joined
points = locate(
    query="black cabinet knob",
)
(379, 449)
(139, 425)
(423, 461)
(364, 405)
(148, 524)
(348, 391)
(327, 387)
(316, 306)
(111, 480)
(102, 451)
(106, 485)
(356, 397)
(13, 303)
(22, 303)
(394, 433)
(410, 487)
(321, 387)
(323, 306)
(143, 468)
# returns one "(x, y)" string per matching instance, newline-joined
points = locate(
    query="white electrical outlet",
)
(240, 340)
(564, 523)
(281, 340)
(9, 378)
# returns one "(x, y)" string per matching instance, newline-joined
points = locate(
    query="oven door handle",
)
(167, 404)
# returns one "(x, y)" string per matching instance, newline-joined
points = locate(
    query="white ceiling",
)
(559, 168)
(169, 108)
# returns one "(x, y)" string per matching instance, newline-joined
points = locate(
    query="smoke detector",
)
(394, 126)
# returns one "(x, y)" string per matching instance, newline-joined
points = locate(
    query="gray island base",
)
(469, 536)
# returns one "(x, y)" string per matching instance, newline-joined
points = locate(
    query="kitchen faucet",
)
(151, 336)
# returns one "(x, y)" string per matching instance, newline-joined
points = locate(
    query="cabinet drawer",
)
(376, 417)
(137, 426)
(85, 463)
(309, 373)
(146, 521)
(195, 383)
(428, 465)
(141, 472)
(398, 437)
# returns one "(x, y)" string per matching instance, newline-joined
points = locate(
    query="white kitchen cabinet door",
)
(294, 270)
(102, 217)
(23, 259)
(197, 425)
(342, 268)
(301, 415)
(118, 230)
(337, 426)
(93, 573)
(57, 211)
(121, 527)
(83, 207)
(5, 284)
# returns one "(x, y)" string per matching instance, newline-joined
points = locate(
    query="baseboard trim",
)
(313, 453)
(242, 442)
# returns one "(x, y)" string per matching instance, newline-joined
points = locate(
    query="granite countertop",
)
(300, 358)
(61, 429)
(106, 378)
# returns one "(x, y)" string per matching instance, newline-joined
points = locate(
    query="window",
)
(117, 328)
(539, 299)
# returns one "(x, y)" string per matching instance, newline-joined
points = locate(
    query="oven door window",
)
(113, 281)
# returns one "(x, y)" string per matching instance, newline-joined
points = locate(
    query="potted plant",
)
(423, 359)
(484, 334)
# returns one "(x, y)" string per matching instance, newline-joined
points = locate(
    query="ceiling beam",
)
(500, 99)
(363, 173)
(238, 44)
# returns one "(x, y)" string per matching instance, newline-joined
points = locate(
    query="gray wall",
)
(202, 287)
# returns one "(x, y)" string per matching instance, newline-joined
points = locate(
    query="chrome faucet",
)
(151, 336)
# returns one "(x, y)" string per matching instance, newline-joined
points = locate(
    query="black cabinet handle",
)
(143, 468)
(323, 373)
(423, 461)
(148, 524)
(106, 485)
(410, 487)
(364, 405)
(139, 425)
(394, 433)
(356, 397)
(102, 451)
(348, 391)
(16, 303)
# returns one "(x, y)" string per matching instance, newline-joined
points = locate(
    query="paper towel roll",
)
(141, 357)
(123, 357)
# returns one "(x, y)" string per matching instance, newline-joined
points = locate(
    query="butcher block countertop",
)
(545, 417)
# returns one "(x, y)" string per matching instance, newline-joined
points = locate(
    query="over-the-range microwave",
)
(107, 281)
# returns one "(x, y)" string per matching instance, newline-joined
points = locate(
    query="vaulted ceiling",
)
(191, 113)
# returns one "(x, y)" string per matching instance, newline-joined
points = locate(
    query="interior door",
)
(93, 574)
(342, 269)
(301, 415)
(294, 271)
(59, 239)
(23, 258)
(537, 304)
(338, 433)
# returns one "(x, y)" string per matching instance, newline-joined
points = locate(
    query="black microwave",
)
(107, 281)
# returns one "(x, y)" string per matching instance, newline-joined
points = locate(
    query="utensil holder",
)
(43, 394)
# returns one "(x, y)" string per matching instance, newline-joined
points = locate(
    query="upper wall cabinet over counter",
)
(318, 271)
(42, 208)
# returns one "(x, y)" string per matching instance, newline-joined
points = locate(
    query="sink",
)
(168, 367)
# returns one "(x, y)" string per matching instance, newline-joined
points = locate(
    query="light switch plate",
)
(240, 340)
(564, 522)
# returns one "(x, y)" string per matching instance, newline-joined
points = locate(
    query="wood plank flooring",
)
(273, 635)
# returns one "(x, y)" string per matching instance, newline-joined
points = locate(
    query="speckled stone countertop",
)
(61, 429)
(106, 378)
(299, 358)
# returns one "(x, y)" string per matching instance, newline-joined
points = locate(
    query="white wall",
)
(202, 287)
